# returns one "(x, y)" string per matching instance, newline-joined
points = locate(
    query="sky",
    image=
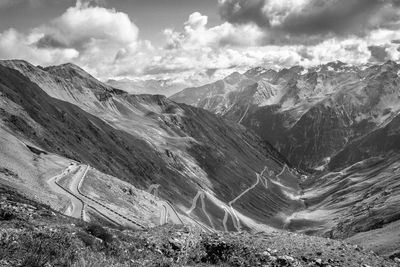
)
(196, 41)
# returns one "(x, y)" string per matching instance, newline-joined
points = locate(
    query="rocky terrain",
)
(150, 141)
(339, 123)
(34, 235)
(309, 115)
(100, 155)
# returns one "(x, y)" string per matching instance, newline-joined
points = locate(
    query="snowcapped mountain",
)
(308, 114)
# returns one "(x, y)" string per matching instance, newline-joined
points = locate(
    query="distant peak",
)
(336, 63)
(234, 74)
(233, 78)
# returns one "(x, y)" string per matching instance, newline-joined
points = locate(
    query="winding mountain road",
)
(229, 210)
(278, 178)
(79, 200)
(225, 220)
(76, 209)
(250, 188)
(236, 220)
(167, 210)
(201, 195)
(163, 215)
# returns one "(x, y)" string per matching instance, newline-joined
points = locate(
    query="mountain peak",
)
(67, 70)
(233, 78)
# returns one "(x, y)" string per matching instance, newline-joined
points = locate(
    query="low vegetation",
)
(32, 235)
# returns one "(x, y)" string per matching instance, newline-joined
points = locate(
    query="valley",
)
(336, 122)
(236, 133)
(309, 115)
(142, 161)
(147, 138)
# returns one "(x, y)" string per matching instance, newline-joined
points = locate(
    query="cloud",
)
(87, 3)
(269, 33)
(48, 41)
(87, 34)
(340, 17)
(83, 24)
(301, 19)
(236, 11)
(378, 53)
(196, 34)
(16, 45)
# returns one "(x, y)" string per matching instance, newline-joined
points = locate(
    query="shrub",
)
(216, 252)
(7, 214)
(87, 239)
(42, 249)
(100, 232)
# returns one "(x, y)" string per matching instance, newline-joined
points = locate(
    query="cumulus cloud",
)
(87, 34)
(16, 45)
(83, 24)
(236, 11)
(304, 18)
(196, 34)
(271, 33)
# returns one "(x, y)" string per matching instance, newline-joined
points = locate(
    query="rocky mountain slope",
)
(309, 115)
(336, 120)
(108, 148)
(203, 165)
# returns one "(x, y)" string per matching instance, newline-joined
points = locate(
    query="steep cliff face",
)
(214, 171)
(309, 114)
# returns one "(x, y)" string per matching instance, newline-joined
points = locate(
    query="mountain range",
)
(313, 151)
(146, 140)
(309, 115)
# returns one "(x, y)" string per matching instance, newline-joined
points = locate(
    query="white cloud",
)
(82, 24)
(16, 45)
(197, 35)
(106, 43)
(88, 35)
